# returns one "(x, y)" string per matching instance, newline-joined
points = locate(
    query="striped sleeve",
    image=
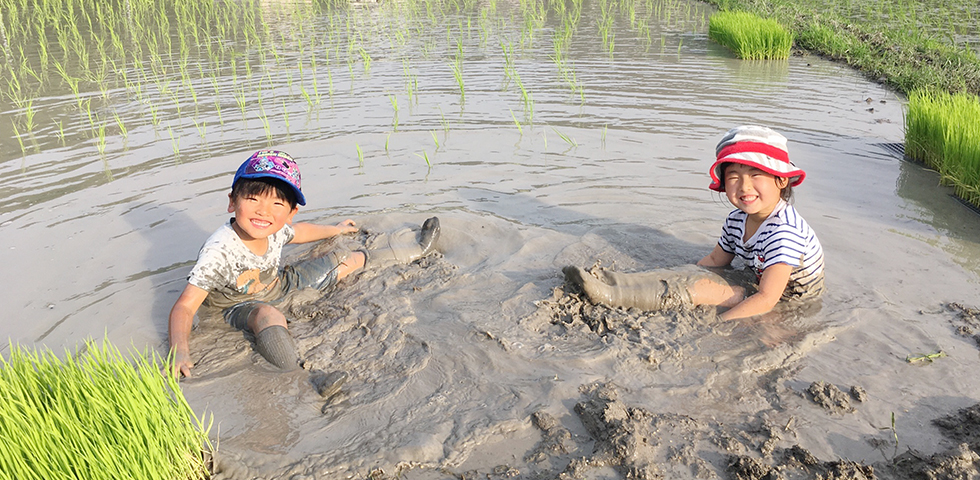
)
(732, 231)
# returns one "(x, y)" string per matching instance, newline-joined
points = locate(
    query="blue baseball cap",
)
(273, 164)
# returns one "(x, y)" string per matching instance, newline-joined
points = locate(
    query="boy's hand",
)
(347, 226)
(182, 364)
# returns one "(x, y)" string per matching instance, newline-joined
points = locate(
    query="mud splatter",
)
(966, 320)
(828, 396)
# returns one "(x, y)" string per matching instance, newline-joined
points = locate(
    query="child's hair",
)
(786, 193)
(245, 187)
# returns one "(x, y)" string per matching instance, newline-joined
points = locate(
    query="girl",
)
(752, 168)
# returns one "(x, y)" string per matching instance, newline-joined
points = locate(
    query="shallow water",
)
(449, 358)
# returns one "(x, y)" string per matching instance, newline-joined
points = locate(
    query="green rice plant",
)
(518, 123)
(942, 130)
(23, 149)
(394, 104)
(435, 139)
(120, 124)
(202, 127)
(929, 357)
(96, 415)
(29, 113)
(360, 154)
(570, 141)
(175, 143)
(100, 143)
(425, 156)
(285, 116)
(457, 69)
(749, 36)
(61, 131)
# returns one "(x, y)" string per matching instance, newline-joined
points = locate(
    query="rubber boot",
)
(277, 346)
(403, 247)
(650, 291)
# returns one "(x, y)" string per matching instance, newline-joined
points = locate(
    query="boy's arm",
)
(311, 232)
(181, 321)
(717, 258)
(771, 288)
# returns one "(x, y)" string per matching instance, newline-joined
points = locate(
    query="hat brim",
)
(300, 198)
(762, 162)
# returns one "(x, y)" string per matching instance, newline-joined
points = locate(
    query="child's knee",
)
(265, 316)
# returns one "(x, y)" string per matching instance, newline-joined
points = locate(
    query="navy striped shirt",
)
(783, 238)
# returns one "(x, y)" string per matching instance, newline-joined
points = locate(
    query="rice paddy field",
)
(542, 134)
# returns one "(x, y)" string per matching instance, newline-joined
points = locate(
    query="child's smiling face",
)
(258, 216)
(752, 190)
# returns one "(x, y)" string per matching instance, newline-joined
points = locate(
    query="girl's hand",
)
(347, 226)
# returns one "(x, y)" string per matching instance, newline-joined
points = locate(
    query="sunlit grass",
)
(942, 130)
(750, 36)
(95, 416)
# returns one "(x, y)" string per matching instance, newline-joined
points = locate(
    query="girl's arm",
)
(717, 258)
(311, 232)
(771, 287)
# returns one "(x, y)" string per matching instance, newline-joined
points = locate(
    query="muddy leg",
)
(669, 288)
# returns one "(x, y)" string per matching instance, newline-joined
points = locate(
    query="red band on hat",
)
(754, 147)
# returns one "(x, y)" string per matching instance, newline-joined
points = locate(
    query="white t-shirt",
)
(784, 237)
(232, 274)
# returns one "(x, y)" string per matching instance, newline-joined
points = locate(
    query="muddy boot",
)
(277, 346)
(403, 246)
(649, 291)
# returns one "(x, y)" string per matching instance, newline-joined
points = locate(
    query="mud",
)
(828, 396)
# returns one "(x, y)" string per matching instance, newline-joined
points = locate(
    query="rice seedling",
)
(458, 75)
(570, 141)
(175, 144)
(121, 125)
(96, 415)
(202, 128)
(602, 136)
(942, 130)
(929, 357)
(29, 113)
(435, 139)
(266, 126)
(749, 36)
(425, 156)
(100, 143)
(360, 154)
(23, 149)
(394, 104)
(518, 123)
(61, 131)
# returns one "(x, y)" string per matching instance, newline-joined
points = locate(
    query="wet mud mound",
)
(966, 320)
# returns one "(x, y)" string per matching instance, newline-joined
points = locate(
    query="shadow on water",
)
(167, 230)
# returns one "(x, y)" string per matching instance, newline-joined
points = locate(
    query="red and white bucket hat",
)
(758, 147)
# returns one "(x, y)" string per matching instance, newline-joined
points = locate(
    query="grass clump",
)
(95, 416)
(750, 36)
(942, 130)
(905, 44)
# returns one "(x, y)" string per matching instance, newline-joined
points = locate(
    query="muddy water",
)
(449, 358)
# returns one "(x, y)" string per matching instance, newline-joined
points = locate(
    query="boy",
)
(237, 269)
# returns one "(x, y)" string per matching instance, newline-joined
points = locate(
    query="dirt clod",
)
(828, 396)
